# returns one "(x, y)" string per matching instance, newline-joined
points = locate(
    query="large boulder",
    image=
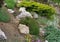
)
(23, 29)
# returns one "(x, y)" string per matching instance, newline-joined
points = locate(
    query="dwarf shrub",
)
(39, 8)
(4, 17)
(33, 25)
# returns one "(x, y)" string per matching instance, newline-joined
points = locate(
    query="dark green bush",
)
(52, 34)
(4, 17)
(10, 3)
(39, 8)
(33, 25)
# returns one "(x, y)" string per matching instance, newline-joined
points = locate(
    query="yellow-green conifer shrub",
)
(39, 8)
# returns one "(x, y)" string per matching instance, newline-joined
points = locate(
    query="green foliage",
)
(33, 25)
(55, 1)
(4, 17)
(10, 3)
(52, 34)
(39, 8)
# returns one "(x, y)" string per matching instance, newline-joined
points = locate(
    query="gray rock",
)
(35, 15)
(10, 11)
(2, 35)
(46, 40)
(23, 13)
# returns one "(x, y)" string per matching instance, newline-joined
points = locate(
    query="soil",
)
(11, 31)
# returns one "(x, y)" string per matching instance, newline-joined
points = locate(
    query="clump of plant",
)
(10, 3)
(4, 17)
(33, 25)
(52, 34)
(39, 8)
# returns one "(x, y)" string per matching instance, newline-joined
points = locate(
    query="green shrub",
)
(33, 25)
(52, 34)
(10, 3)
(4, 17)
(39, 8)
